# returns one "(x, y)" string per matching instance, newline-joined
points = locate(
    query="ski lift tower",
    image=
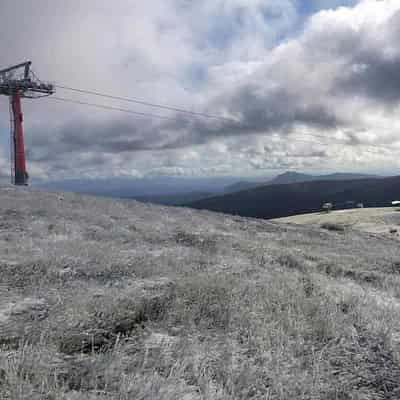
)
(19, 82)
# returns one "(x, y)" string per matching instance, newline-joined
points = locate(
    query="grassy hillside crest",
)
(107, 299)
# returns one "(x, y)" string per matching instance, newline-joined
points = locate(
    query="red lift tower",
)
(19, 82)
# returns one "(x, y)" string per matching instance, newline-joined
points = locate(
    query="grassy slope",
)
(373, 220)
(105, 299)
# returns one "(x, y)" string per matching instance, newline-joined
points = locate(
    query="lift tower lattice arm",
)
(19, 82)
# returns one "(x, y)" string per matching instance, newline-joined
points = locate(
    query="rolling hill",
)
(242, 185)
(295, 177)
(275, 201)
(116, 299)
(382, 221)
(111, 299)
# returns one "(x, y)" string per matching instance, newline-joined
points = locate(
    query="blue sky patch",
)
(307, 7)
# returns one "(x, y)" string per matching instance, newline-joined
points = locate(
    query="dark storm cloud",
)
(118, 136)
(374, 76)
(272, 112)
(372, 69)
(278, 109)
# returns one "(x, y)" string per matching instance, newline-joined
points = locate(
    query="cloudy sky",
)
(308, 85)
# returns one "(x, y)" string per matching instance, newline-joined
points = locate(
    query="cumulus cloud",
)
(276, 85)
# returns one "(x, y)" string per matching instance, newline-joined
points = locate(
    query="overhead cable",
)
(142, 114)
(146, 103)
(104, 107)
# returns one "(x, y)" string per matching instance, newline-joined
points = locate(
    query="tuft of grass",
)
(290, 261)
(201, 242)
(337, 270)
(395, 267)
(333, 227)
(205, 301)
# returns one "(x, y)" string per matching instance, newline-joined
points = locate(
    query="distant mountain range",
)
(177, 190)
(158, 190)
(173, 199)
(293, 177)
(281, 200)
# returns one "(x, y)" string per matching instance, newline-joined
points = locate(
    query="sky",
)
(312, 86)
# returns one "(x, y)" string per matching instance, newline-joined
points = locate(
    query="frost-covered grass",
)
(104, 299)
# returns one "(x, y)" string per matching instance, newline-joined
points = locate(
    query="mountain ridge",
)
(282, 200)
(289, 177)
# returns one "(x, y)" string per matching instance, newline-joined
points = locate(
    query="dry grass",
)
(112, 300)
(333, 227)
